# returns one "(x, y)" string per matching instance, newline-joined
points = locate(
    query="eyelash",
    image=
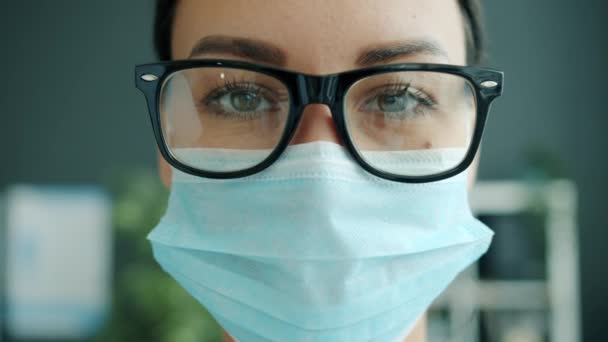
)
(420, 94)
(220, 90)
(229, 86)
(423, 97)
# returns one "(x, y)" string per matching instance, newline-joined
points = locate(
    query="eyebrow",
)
(253, 49)
(265, 52)
(389, 52)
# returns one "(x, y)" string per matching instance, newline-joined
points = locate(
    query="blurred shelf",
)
(506, 295)
(558, 295)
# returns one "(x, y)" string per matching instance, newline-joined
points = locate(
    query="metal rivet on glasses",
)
(149, 77)
(489, 84)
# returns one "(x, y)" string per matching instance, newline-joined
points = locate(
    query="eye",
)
(399, 101)
(244, 101)
(241, 101)
(393, 102)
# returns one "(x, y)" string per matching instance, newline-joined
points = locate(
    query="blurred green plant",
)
(542, 163)
(147, 304)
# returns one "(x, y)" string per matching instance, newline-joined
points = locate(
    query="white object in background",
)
(558, 295)
(57, 261)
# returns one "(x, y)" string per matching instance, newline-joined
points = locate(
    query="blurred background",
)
(79, 188)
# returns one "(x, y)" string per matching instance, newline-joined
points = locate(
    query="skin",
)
(323, 37)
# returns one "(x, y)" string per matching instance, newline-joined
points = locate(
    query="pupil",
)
(391, 103)
(245, 101)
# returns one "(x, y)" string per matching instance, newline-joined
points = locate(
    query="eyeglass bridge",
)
(317, 89)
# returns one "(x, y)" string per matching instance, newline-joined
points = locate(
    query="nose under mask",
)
(314, 248)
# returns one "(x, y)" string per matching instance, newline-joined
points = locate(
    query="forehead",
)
(320, 36)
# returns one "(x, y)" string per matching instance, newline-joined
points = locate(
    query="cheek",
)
(472, 172)
(164, 170)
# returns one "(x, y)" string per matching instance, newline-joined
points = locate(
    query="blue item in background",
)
(57, 250)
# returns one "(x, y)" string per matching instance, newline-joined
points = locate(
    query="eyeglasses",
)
(410, 123)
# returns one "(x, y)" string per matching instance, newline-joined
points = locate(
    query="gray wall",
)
(555, 57)
(70, 112)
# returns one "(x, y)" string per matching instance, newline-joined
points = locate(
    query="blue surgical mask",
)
(316, 249)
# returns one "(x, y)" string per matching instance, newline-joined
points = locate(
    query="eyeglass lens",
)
(410, 123)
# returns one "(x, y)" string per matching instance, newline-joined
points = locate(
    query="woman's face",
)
(319, 37)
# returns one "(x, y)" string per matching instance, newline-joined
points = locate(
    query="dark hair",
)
(471, 11)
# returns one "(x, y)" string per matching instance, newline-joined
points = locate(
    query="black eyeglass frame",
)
(305, 89)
